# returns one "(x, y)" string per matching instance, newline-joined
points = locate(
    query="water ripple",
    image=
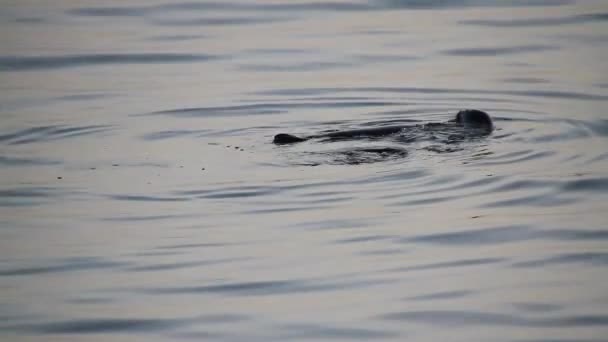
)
(546, 21)
(417, 90)
(481, 318)
(27, 63)
(497, 51)
(324, 332)
(103, 326)
(65, 265)
(450, 264)
(264, 288)
(27, 196)
(589, 258)
(48, 133)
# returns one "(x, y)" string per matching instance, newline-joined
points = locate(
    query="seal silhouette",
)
(469, 119)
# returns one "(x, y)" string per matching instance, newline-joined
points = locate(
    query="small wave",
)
(441, 295)
(27, 63)
(324, 332)
(266, 108)
(105, 326)
(481, 318)
(414, 90)
(264, 288)
(497, 51)
(48, 133)
(588, 258)
(64, 265)
(216, 21)
(532, 22)
(449, 264)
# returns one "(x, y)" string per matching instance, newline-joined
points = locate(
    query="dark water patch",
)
(481, 318)
(27, 196)
(220, 21)
(498, 51)
(450, 264)
(484, 236)
(534, 22)
(325, 332)
(588, 258)
(264, 288)
(598, 127)
(27, 63)
(170, 134)
(537, 307)
(143, 198)
(16, 161)
(587, 185)
(102, 326)
(64, 265)
(49, 133)
(442, 295)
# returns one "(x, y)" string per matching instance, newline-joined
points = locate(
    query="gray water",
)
(141, 197)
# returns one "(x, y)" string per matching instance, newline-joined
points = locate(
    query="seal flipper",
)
(284, 138)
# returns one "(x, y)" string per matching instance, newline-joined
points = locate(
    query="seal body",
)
(469, 119)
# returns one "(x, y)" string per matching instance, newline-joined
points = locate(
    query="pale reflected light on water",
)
(141, 197)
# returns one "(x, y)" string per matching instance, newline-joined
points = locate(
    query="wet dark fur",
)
(469, 119)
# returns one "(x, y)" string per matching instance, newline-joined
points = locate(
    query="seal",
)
(470, 119)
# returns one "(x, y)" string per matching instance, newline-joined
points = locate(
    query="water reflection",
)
(141, 196)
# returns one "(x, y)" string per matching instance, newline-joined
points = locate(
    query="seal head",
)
(473, 118)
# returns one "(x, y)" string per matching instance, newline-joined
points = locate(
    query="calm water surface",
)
(141, 197)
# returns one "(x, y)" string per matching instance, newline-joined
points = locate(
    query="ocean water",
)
(142, 199)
